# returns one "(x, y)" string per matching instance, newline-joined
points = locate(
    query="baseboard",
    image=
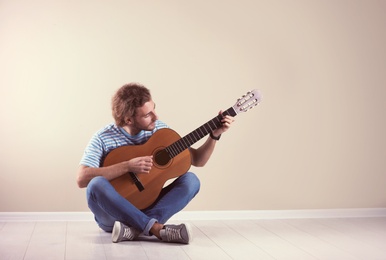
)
(206, 215)
(45, 216)
(281, 214)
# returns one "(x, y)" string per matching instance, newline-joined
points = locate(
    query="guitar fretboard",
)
(188, 140)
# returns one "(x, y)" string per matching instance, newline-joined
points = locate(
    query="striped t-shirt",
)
(111, 137)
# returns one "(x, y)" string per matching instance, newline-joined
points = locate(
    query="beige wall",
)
(316, 141)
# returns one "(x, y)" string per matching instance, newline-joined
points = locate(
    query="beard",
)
(140, 127)
(151, 126)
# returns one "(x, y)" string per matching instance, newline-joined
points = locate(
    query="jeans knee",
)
(192, 182)
(95, 186)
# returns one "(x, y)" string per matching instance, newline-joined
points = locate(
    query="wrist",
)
(214, 137)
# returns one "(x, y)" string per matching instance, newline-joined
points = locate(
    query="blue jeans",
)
(109, 206)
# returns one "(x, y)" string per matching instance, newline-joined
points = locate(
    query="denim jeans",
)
(109, 206)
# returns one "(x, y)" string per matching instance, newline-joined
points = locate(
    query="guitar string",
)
(183, 143)
(191, 138)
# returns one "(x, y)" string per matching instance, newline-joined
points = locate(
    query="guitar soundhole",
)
(162, 157)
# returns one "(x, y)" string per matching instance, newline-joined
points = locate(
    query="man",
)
(135, 121)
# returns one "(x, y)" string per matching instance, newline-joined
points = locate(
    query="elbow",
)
(202, 164)
(80, 183)
(196, 159)
(80, 180)
(199, 163)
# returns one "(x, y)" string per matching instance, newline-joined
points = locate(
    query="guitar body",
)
(161, 172)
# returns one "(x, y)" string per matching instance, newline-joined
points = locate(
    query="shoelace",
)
(173, 234)
(127, 233)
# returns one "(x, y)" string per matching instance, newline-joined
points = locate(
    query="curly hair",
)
(126, 100)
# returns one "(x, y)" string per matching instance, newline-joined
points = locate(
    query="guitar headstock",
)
(247, 101)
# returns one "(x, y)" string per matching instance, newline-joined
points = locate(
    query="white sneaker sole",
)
(116, 231)
(189, 230)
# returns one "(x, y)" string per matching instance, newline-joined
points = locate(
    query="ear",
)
(129, 120)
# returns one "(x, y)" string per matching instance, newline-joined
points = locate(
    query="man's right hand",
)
(141, 164)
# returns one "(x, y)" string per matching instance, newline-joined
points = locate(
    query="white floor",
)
(329, 238)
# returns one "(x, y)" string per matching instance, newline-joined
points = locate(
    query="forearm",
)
(138, 165)
(201, 155)
(86, 174)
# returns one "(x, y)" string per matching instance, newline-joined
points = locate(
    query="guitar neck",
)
(188, 140)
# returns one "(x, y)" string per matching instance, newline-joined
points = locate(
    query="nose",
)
(155, 116)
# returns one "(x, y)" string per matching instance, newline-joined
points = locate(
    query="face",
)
(144, 118)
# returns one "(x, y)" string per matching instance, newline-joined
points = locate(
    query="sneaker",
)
(176, 233)
(121, 232)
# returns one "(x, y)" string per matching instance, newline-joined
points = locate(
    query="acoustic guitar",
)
(171, 156)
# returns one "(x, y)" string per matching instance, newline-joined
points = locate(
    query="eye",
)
(148, 114)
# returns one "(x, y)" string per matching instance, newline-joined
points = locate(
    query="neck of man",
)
(131, 130)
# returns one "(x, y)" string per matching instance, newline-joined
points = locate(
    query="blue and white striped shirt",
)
(111, 137)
